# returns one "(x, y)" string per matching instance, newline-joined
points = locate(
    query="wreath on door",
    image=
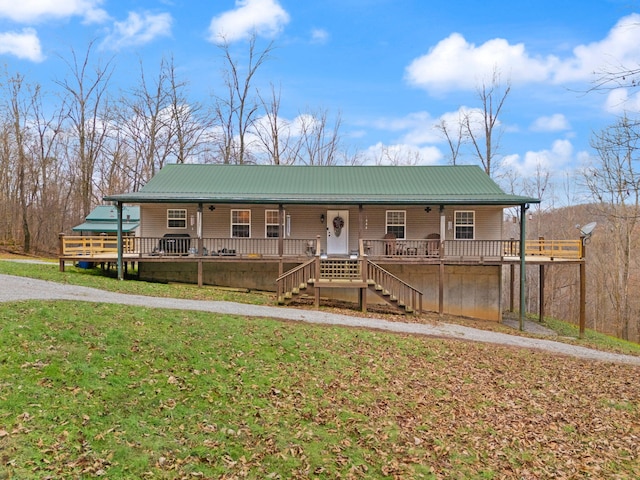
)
(338, 224)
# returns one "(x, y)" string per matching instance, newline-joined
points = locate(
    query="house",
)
(419, 237)
(104, 219)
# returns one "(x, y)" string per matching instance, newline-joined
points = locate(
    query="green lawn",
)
(96, 390)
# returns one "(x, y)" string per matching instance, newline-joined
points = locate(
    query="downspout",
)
(523, 220)
(281, 233)
(119, 217)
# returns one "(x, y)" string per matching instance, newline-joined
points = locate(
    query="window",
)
(176, 218)
(465, 225)
(272, 226)
(241, 223)
(396, 223)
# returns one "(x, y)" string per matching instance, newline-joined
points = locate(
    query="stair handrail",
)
(295, 276)
(413, 299)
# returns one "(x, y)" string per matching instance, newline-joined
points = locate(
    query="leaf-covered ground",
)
(91, 390)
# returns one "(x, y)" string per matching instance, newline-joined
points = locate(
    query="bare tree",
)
(455, 137)
(34, 174)
(482, 131)
(238, 109)
(274, 134)
(144, 126)
(19, 109)
(87, 105)
(190, 124)
(614, 183)
(397, 155)
(318, 142)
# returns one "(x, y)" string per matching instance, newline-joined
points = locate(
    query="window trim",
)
(242, 224)
(472, 225)
(268, 224)
(404, 224)
(182, 218)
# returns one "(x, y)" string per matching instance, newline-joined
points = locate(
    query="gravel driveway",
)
(21, 288)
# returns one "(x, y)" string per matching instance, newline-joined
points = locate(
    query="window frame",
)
(403, 225)
(237, 224)
(268, 223)
(461, 223)
(174, 219)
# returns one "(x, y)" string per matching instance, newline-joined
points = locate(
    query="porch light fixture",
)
(322, 218)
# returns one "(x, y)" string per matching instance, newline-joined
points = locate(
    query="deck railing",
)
(94, 246)
(101, 245)
(393, 287)
(295, 280)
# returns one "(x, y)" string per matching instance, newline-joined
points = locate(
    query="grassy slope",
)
(105, 390)
(94, 278)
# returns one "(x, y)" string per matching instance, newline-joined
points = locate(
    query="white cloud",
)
(264, 17)
(552, 160)
(618, 48)
(447, 65)
(420, 128)
(620, 101)
(554, 123)
(30, 11)
(319, 35)
(25, 45)
(138, 29)
(401, 154)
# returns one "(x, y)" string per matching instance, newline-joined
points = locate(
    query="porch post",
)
(119, 217)
(541, 280)
(61, 251)
(512, 289)
(583, 290)
(199, 228)
(363, 277)
(443, 230)
(523, 222)
(281, 221)
(199, 245)
(441, 287)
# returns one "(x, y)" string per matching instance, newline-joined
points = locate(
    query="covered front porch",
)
(181, 247)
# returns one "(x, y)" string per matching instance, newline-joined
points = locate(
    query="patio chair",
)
(390, 244)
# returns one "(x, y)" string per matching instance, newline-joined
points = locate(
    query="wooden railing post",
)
(316, 283)
(364, 279)
(61, 251)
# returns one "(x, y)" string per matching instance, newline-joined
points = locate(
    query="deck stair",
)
(311, 276)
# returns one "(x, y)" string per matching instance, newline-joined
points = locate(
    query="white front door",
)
(337, 232)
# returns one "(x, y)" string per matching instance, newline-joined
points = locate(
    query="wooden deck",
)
(103, 249)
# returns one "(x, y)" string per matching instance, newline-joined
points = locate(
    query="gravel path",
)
(21, 288)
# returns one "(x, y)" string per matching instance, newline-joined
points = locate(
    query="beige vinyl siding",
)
(488, 223)
(305, 221)
(154, 219)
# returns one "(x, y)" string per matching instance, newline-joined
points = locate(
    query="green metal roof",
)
(105, 227)
(322, 185)
(108, 213)
(104, 218)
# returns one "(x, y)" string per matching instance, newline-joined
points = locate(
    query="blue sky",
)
(391, 68)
